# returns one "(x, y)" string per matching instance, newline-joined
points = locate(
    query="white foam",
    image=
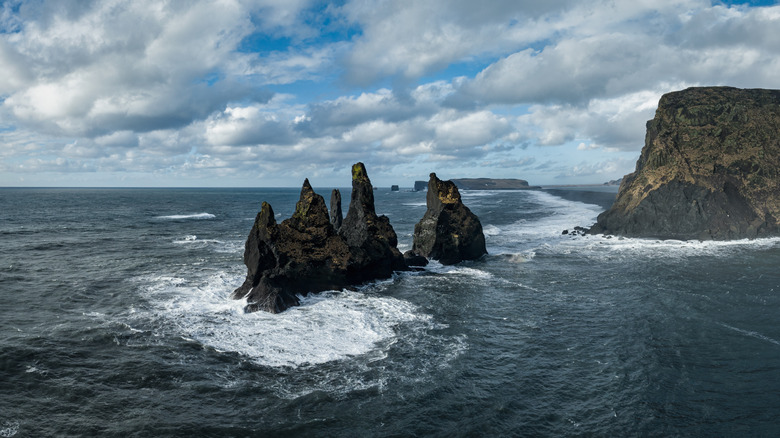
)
(192, 241)
(482, 193)
(619, 247)
(326, 327)
(491, 230)
(526, 238)
(415, 204)
(9, 428)
(458, 270)
(195, 216)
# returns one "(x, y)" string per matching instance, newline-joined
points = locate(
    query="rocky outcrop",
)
(305, 253)
(710, 169)
(448, 232)
(371, 239)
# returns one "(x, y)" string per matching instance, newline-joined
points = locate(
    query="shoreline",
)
(604, 197)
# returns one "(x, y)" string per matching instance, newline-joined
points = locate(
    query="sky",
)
(265, 93)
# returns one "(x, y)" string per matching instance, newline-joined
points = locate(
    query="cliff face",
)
(492, 184)
(710, 169)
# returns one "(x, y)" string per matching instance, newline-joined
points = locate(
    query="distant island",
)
(492, 184)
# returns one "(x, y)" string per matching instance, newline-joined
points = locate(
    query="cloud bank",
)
(262, 93)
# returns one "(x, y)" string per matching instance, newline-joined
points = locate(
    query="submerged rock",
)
(710, 169)
(448, 232)
(306, 254)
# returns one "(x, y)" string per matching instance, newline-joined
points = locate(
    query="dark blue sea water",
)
(115, 320)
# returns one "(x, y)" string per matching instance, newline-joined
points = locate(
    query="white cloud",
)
(179, 89)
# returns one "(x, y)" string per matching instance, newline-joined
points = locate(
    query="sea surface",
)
(116, 321)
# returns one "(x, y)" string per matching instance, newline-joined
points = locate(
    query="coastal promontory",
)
(492, 184)
(709, 169)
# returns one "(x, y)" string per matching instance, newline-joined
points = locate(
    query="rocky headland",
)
(448, 232)
(709, 169)
(492, 184)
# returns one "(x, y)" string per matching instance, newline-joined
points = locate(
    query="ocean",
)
(116, 321)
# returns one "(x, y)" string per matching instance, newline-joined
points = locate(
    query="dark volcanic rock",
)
(710, 169)
(336, 217)
(302, 254)
(448, 232)
(414, 260)
(305, 254)
(371, 239)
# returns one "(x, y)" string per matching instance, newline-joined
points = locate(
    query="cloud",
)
(616, 123)
(250, 125)
(240, 89)
(410, 40)
(112, 66)
(673, 48)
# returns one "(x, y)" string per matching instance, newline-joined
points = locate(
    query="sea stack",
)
(371, 239)
(448, 232)
(306, 254)
(709, 169)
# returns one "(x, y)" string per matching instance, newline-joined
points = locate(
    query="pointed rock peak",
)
(310, 209)
(266, 217)
(362, 192)
(359, 173)
(446, 191)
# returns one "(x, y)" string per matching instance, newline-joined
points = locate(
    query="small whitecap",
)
(194, 216)
(9, 428)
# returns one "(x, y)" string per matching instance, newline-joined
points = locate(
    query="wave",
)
(752, 334)
(9, 428)
(194, 216)
(326, 327)
(220, 246)
(541, 233)
(610, 247)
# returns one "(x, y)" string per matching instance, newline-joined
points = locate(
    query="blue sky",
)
(265, 93)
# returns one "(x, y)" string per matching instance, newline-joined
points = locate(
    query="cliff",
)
(709, 169)
(492, 184)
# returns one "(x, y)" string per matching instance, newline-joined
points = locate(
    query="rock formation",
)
(710, 169)
(448, 232)
(336, 216)
(371, 239)
(306, 254)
